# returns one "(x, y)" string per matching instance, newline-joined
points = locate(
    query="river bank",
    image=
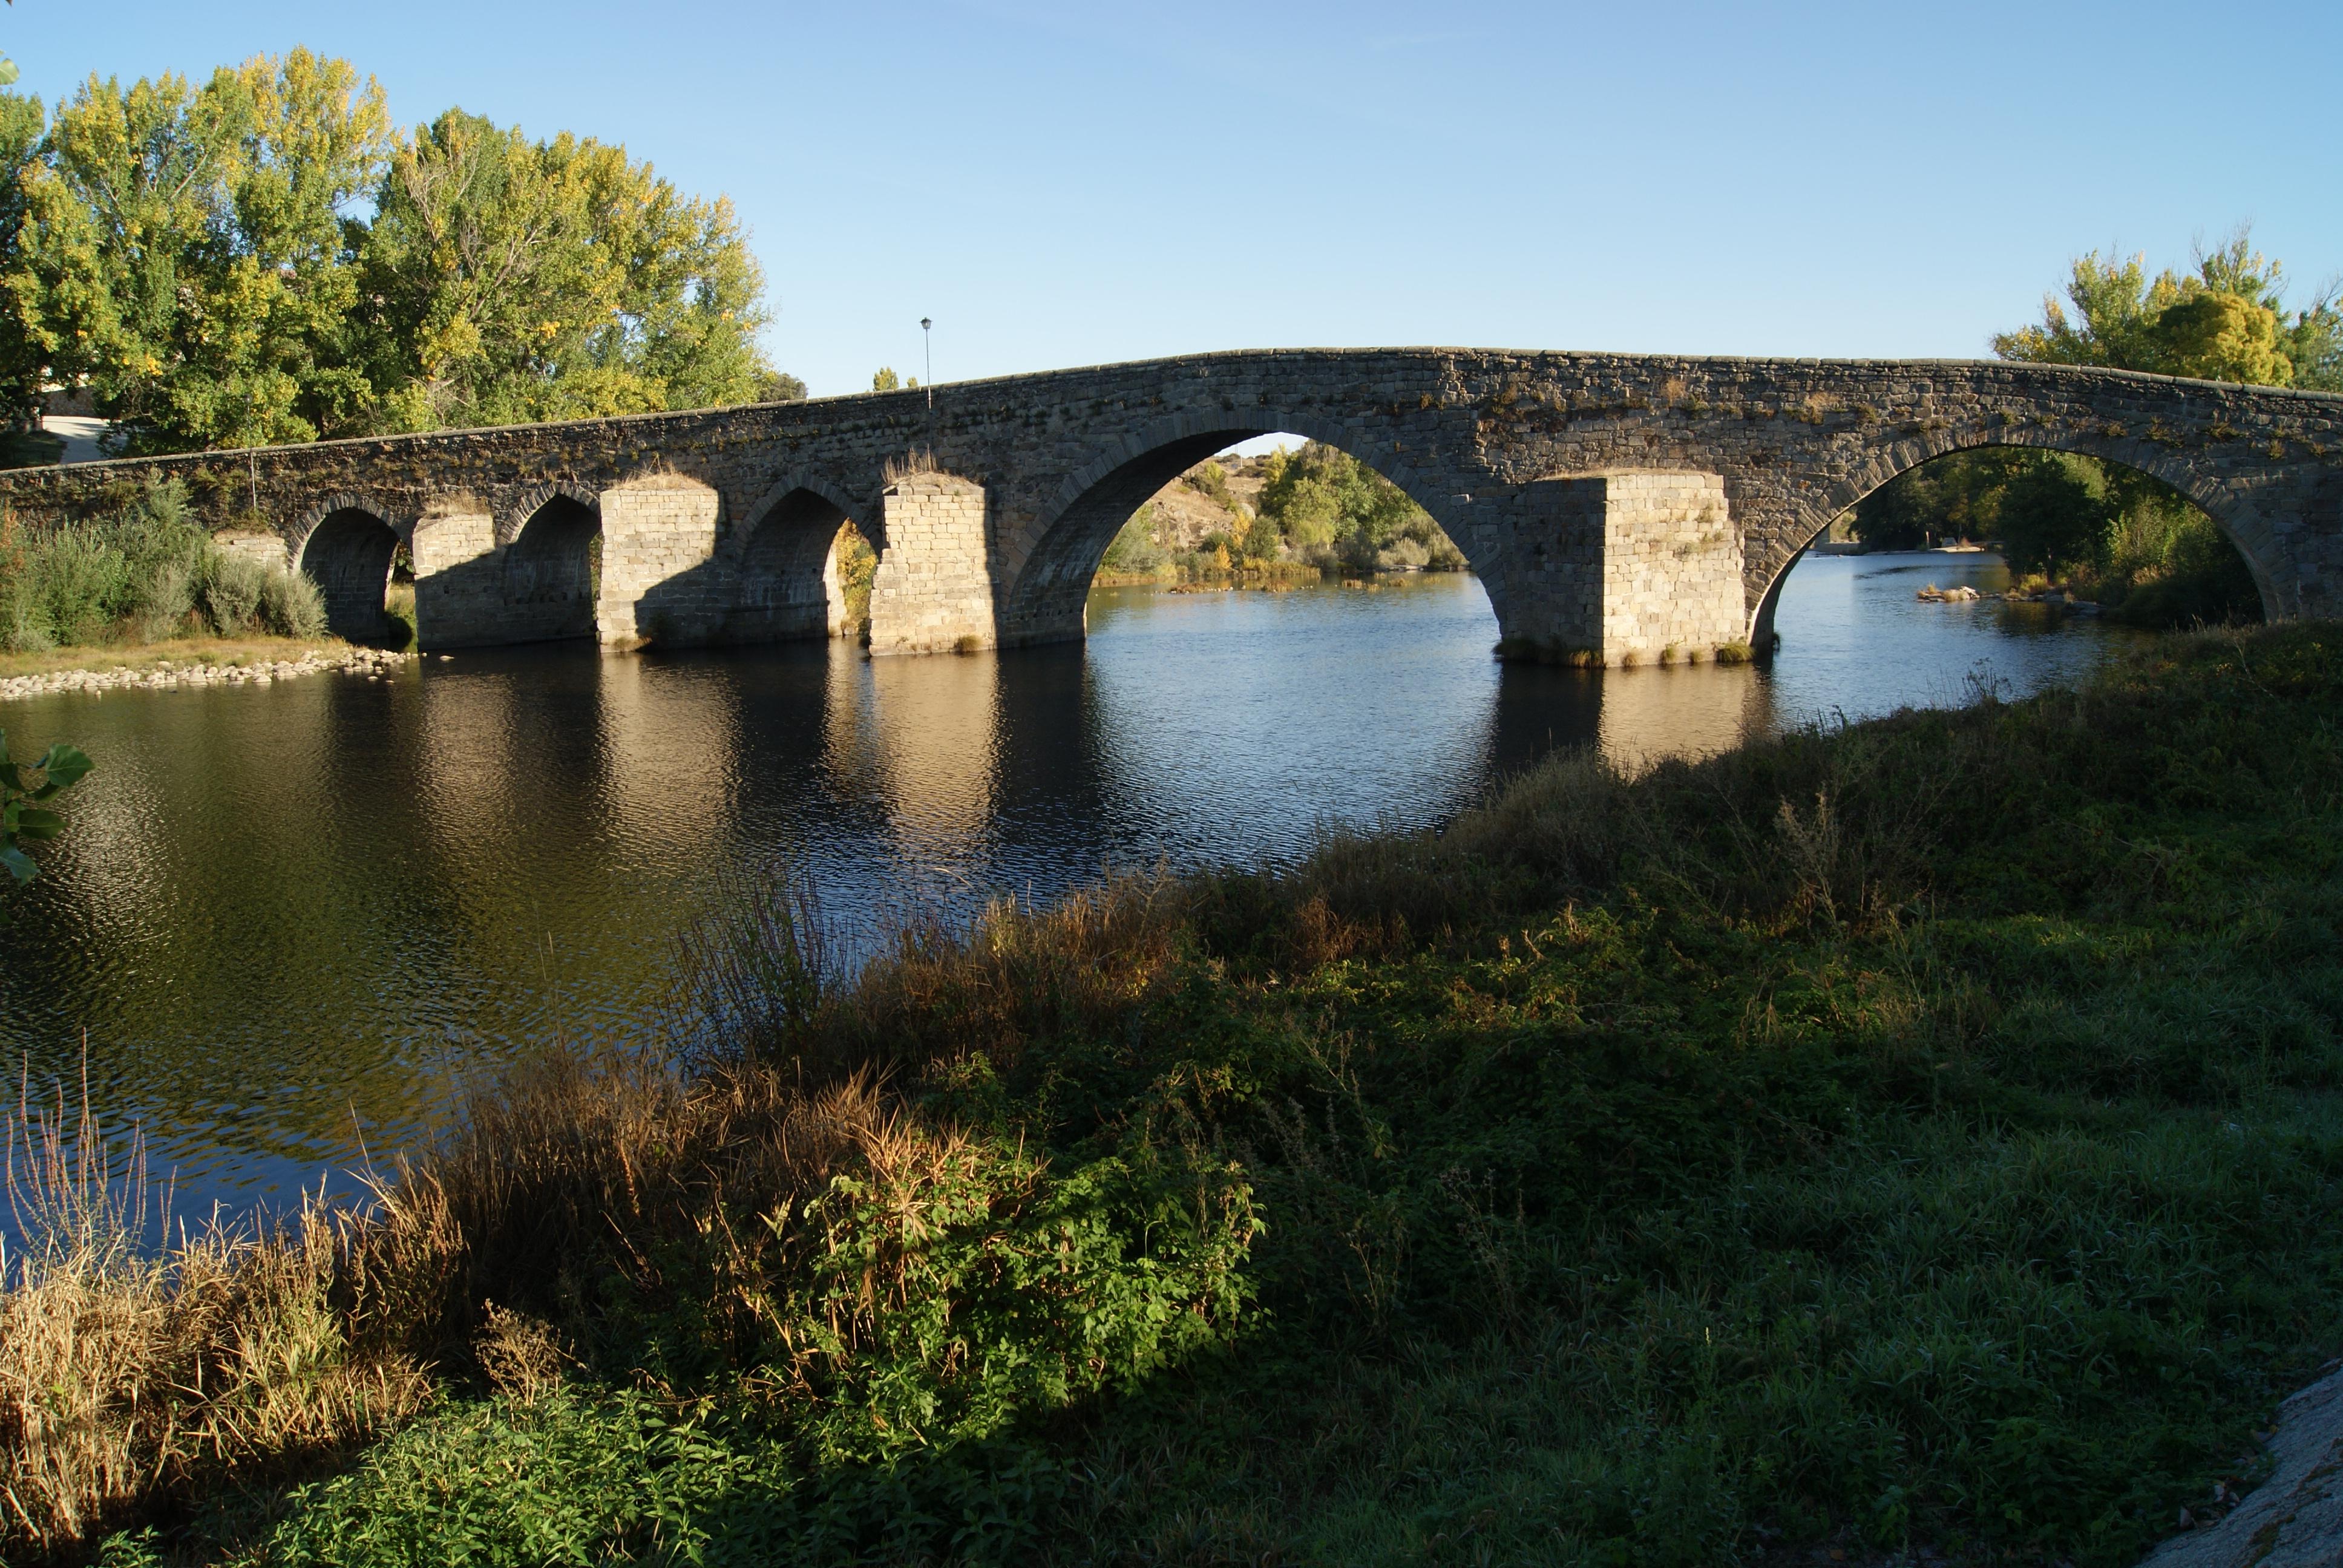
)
(188, 662)
(1770, 1151)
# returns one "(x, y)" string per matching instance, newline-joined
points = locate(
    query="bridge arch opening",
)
(553, 573)
(1242, 503)
(804, 571)
(2076, 529)
(349, 555)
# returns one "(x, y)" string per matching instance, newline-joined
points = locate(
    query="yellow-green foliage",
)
(858, 569)
(1328, 507)
(189, 251)
(2226, 321)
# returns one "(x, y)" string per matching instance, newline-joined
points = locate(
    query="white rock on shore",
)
(2293, 1520)
(165, 674)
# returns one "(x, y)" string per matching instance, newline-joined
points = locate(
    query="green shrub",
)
(140, 573)
(290, 603)
(232, 586)
(80, 581)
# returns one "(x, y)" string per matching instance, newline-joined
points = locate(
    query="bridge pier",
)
(1618, 569)
(658, 576)
(933, 592)
(458, 578)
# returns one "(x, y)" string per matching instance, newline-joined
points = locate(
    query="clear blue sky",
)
(1066, 184)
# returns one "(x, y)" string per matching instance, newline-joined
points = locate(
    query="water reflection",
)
(292, 918)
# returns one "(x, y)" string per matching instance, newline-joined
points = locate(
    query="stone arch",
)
(864, 516)
(783, 568)
(1814, 511)
(1062, 548)
(346, 549)
(552, 570)
(398, 519)
(529, 502)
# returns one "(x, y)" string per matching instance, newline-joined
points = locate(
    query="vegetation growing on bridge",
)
(1919, 1132)
(2113, 534)
(263, 258)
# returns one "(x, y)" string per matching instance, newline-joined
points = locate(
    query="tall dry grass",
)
(129, 1373)
(579, 1199)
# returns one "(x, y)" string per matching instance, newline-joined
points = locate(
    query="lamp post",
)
(928, 343)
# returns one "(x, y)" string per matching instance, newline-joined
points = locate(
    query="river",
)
(288, 920)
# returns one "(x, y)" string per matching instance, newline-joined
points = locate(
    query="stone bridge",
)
(1614, 506)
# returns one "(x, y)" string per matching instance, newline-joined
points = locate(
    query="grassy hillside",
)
(1924, 1133)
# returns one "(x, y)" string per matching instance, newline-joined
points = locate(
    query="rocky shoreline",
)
(374, 664)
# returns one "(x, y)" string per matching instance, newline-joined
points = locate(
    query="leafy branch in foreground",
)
(21, 815)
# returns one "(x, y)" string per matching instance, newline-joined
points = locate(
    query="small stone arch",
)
(787, 484)
(400, 520)
(527, 503)
(1058, 554)
(552, 569)
(1815, 513)
(345, 546)
(784, 583)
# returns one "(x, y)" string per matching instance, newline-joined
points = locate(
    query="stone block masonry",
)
(459, 583)
(1671, 568)
(1587, 490)
(658, 581)
(933, 592)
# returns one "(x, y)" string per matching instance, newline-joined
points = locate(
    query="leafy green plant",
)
(22, 818)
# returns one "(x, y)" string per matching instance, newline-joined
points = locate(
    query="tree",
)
(1329, 504)
(508, 280)
(2226, 322)
(779, 386)
(263, 259)
(188, 251)
(23, 124)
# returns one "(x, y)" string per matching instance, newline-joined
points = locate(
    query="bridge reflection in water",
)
(292, 915)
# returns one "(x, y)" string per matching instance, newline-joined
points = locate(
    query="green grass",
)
(1921, 1132)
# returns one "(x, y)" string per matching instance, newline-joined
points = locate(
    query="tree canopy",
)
(266, 258)
(2226, 321)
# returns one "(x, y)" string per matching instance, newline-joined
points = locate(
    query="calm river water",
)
(288, 919)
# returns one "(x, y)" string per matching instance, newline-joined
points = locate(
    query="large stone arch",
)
(551, 577)
(345, 546)
(1815, 510)
(1049, 581)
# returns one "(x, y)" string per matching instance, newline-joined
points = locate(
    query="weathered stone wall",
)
(933, 592)
(458, 589)
(658, 580)
(1475, 436)
(1671, 568)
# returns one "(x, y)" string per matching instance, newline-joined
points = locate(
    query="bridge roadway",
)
(1615, 505)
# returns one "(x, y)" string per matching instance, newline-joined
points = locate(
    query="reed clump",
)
(129, 1373)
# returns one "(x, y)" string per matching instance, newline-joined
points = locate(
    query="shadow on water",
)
(294, 918)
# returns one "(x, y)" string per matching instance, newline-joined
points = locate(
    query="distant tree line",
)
(264, 258)
(2118, 535)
